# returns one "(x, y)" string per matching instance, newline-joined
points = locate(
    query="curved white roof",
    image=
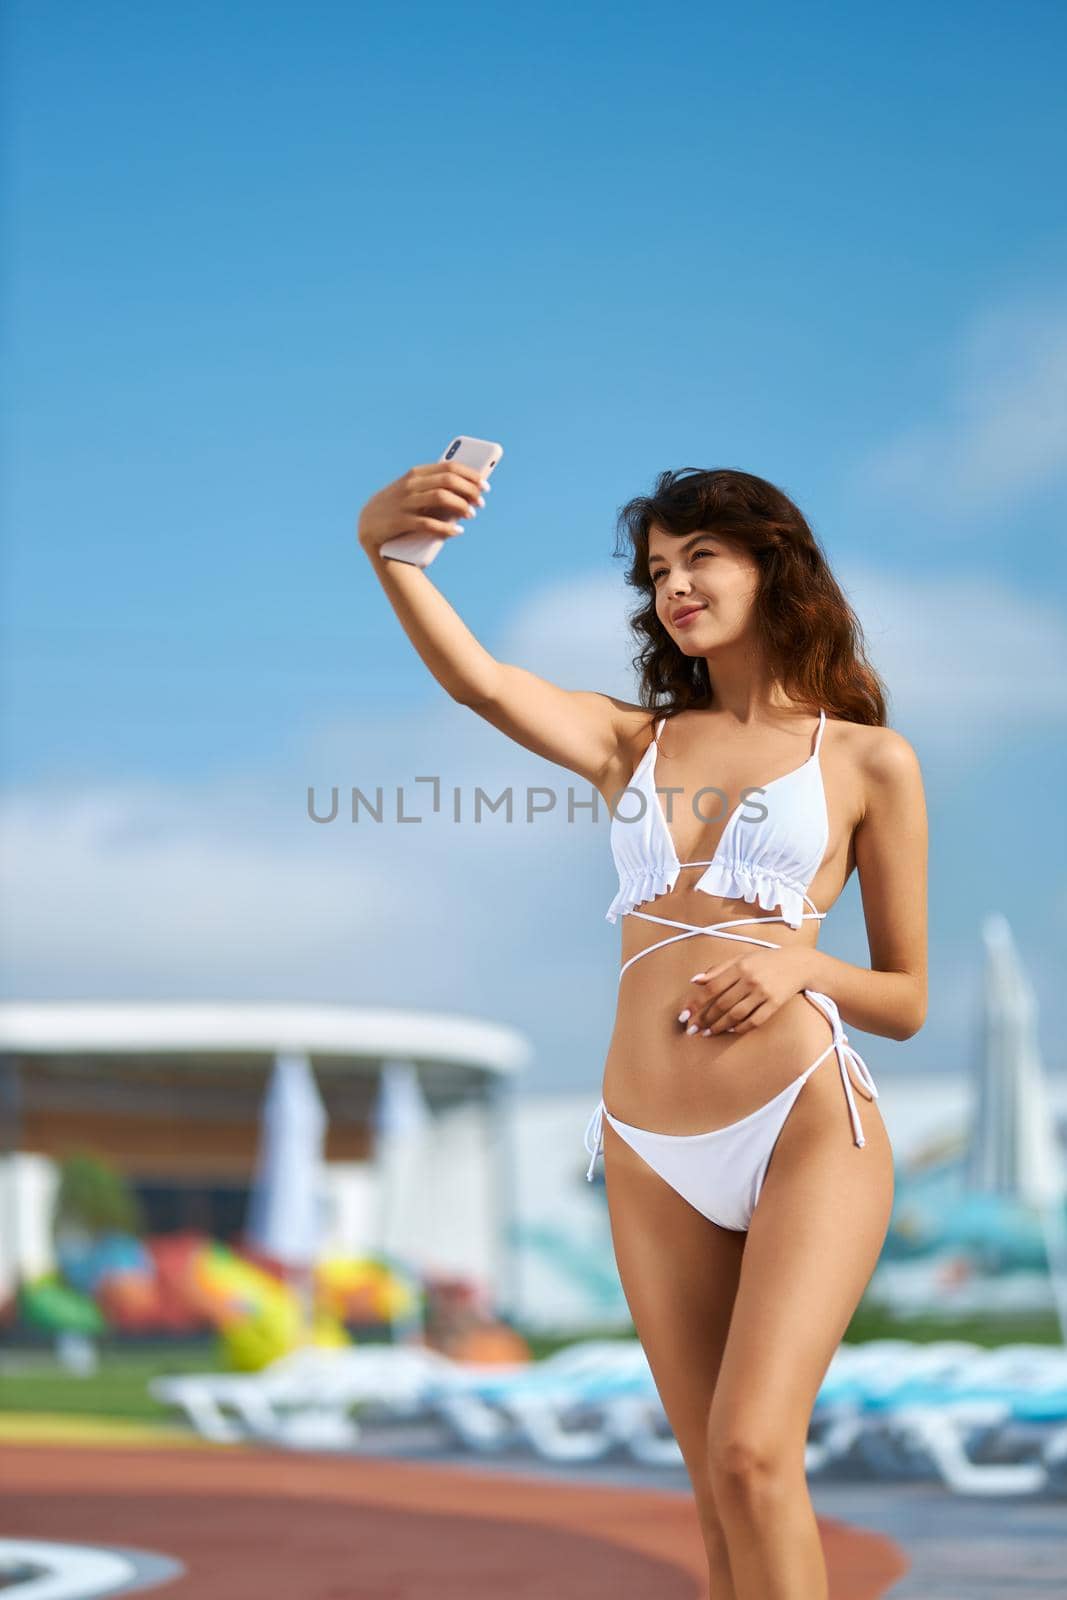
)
(55, 1026)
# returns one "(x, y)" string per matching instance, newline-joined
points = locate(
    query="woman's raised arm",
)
(578, 729)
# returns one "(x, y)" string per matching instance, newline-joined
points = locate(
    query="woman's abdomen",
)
(656, 1076)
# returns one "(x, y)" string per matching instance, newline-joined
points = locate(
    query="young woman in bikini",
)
(748, 1192)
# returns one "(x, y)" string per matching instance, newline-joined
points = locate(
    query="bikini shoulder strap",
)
(818, 736)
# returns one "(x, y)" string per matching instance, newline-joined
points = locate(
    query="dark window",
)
(215, 1208)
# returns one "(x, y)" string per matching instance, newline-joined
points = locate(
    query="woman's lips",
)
(686, 617)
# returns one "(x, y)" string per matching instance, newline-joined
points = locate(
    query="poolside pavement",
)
(412, 1517)
(248, 1523)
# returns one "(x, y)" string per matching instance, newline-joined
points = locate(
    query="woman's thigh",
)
(812, 1246)
(679, 1273)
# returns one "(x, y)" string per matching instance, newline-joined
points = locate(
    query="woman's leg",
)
(679, 1273)
(811, 1249)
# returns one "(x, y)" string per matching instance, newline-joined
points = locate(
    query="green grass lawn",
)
(871, 1322)
(33, 1381)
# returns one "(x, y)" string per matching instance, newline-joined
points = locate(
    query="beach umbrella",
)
(402, 1120)
(285, 1211)
(1013, 1149)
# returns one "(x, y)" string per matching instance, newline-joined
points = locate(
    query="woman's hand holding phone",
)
(429, 500)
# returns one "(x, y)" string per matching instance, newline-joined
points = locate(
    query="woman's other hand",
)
(744, 992)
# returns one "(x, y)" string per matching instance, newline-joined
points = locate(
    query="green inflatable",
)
(50, 1305)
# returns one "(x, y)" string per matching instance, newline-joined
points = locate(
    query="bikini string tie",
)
(594, 1138)
(845, 1055)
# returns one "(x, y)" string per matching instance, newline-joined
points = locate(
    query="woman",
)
(749, 1191)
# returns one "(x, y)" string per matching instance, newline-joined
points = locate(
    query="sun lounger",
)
(982, 1421)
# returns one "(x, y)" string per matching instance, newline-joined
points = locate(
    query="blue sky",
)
(263, 257)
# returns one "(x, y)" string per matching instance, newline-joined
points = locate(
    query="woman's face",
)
(708, 577)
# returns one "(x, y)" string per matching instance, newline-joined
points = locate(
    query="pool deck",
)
(410, 1518)
(247, 1524)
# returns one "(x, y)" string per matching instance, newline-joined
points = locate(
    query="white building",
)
(170, 1094)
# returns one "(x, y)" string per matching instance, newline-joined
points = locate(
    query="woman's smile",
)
(688, 613)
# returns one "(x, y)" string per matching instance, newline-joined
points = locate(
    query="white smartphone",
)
(419, 549)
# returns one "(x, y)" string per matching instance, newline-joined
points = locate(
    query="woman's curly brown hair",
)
(809, 632)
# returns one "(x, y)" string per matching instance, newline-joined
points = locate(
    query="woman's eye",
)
(661, 572)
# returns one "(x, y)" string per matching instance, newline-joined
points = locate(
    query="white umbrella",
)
(285, 1210)
(401, 1120)
(1013, 1148)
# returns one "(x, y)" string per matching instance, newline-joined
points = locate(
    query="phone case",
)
(419, 549)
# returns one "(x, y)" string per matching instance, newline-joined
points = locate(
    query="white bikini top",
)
(768, 861)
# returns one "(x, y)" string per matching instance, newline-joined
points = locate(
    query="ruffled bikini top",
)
(768, 861)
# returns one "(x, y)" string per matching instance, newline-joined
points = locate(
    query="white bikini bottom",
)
(721, 1172)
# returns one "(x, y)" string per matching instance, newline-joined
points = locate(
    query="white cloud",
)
(229, 889)
(575, 633)
(1003, 434)
(961, 656)
(134, 883)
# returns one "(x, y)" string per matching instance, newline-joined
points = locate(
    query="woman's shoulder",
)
(881, 753)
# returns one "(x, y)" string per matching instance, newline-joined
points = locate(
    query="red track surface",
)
(251, 1524)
